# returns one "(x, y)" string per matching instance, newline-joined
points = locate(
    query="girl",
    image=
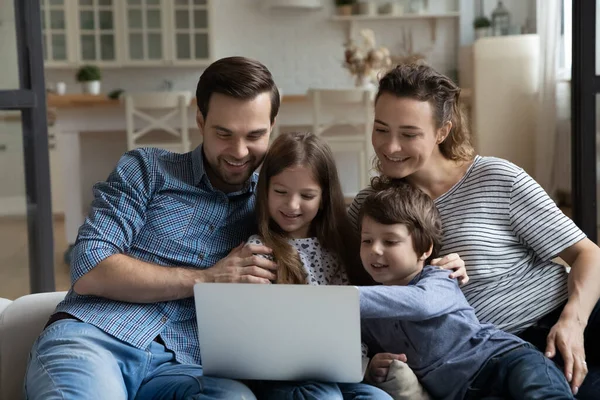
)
(302, 218)
(498, 218)
(301, 212)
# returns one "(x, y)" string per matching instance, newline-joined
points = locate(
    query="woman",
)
(500, 221)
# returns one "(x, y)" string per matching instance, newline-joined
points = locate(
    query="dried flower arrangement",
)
(366, 61)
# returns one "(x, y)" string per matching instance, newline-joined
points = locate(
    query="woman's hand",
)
(380, 365)
(567, 336)
(454, 263)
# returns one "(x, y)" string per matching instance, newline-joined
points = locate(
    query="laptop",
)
(279, 332)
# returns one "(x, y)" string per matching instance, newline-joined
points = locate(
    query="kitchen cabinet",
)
(116, 33)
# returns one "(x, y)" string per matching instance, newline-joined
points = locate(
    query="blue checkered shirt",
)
(158, 207)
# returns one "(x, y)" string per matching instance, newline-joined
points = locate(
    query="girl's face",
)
(404, 135)
(294, 199)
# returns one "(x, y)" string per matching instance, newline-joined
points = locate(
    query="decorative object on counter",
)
(61, 88)
(482, 26)
(394, 7)
(344, 7)
(366, 61)
(408, 53)
(500, 20)
(89, 76)
(417, 6)
(115, 94)
(367, 7)
(167, 85)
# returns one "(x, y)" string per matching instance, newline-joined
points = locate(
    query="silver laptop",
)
(279, 332)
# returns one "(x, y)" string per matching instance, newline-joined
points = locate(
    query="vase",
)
(364, 82)
(91, 87)
(482, 32)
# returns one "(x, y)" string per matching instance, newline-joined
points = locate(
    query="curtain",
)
(548, 26)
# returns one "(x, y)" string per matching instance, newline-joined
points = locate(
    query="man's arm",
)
(123, 278)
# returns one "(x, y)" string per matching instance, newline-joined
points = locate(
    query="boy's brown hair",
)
(402, 203)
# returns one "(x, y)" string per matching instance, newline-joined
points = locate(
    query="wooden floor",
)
(14, 260)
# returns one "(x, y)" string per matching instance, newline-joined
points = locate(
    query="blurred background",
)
(122, 74)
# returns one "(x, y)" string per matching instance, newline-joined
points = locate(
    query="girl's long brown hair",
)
(330, 226)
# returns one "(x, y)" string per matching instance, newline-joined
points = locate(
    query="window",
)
(566, 31)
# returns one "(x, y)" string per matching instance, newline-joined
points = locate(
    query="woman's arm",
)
(584, 291)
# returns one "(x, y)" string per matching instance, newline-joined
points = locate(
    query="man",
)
(159, 224)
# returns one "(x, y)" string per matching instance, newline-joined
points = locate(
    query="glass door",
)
(54, 32)
(585, 85)
(144, 32)
(191, 33)
(97, 34)
(26, 243)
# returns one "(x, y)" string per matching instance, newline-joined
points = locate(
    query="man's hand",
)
(567, 337)
(379, 366)
(244, 264)
(454, 263)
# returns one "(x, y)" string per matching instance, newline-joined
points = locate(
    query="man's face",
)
(236, 137)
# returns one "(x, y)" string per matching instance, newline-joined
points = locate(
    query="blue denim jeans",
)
(317, 391)
(75, 360)
(537, 334)
(522, 373)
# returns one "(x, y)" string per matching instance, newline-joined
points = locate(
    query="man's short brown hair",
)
(402, 203)
(238, 77)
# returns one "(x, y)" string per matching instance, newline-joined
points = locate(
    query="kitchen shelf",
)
(432, 18)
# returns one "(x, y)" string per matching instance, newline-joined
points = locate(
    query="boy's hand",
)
(380, 365)
(456, 264)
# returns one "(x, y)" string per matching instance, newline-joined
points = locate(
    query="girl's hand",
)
(567, 336)
(380, 365)
(456, 264)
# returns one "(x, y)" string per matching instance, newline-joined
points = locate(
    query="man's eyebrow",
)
(258, 131)
(261, 131)
(222, 128)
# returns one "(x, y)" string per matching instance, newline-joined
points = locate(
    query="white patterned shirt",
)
(321, 266)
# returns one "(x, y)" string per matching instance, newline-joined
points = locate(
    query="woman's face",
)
(404, 135)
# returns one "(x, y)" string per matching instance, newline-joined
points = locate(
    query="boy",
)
(451, 352)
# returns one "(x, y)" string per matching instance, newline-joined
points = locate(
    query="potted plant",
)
(344, 7)
(482, 27)
(89, 76)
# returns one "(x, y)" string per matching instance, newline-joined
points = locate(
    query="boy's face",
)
(387, 253)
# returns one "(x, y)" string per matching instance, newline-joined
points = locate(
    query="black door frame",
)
(30, 99)
(585, 84)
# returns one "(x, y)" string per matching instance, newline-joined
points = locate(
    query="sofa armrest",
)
(4, 303)
(21, 322)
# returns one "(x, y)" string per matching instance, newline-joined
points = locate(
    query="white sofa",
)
(21, 321)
